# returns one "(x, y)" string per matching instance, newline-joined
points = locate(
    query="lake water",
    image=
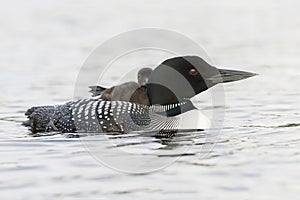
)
(255, 156)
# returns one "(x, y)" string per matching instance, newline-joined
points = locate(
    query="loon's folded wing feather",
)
(97, 115)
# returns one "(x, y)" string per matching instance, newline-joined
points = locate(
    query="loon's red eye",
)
(193, 72)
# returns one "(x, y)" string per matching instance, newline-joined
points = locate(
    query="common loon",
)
(135, 92)
(169, 89)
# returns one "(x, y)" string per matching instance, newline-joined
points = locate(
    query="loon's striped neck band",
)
(181, 108)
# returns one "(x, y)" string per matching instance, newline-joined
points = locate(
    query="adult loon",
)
(135, 92)
(170, 86)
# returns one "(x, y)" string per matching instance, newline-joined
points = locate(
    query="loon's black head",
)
(178, 79)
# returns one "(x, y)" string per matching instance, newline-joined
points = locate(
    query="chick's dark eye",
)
(193, 72)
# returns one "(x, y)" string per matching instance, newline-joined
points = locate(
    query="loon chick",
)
(169, 88)
(135, 92)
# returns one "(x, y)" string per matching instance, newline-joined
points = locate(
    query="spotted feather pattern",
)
(97, 115)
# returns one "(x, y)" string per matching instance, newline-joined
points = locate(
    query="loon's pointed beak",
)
(227, 75)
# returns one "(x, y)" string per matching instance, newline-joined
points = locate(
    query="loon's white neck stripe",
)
(164, 108)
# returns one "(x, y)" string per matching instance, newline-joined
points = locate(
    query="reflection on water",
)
(256, 154)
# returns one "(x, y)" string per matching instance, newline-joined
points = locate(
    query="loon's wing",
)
(98, 115)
